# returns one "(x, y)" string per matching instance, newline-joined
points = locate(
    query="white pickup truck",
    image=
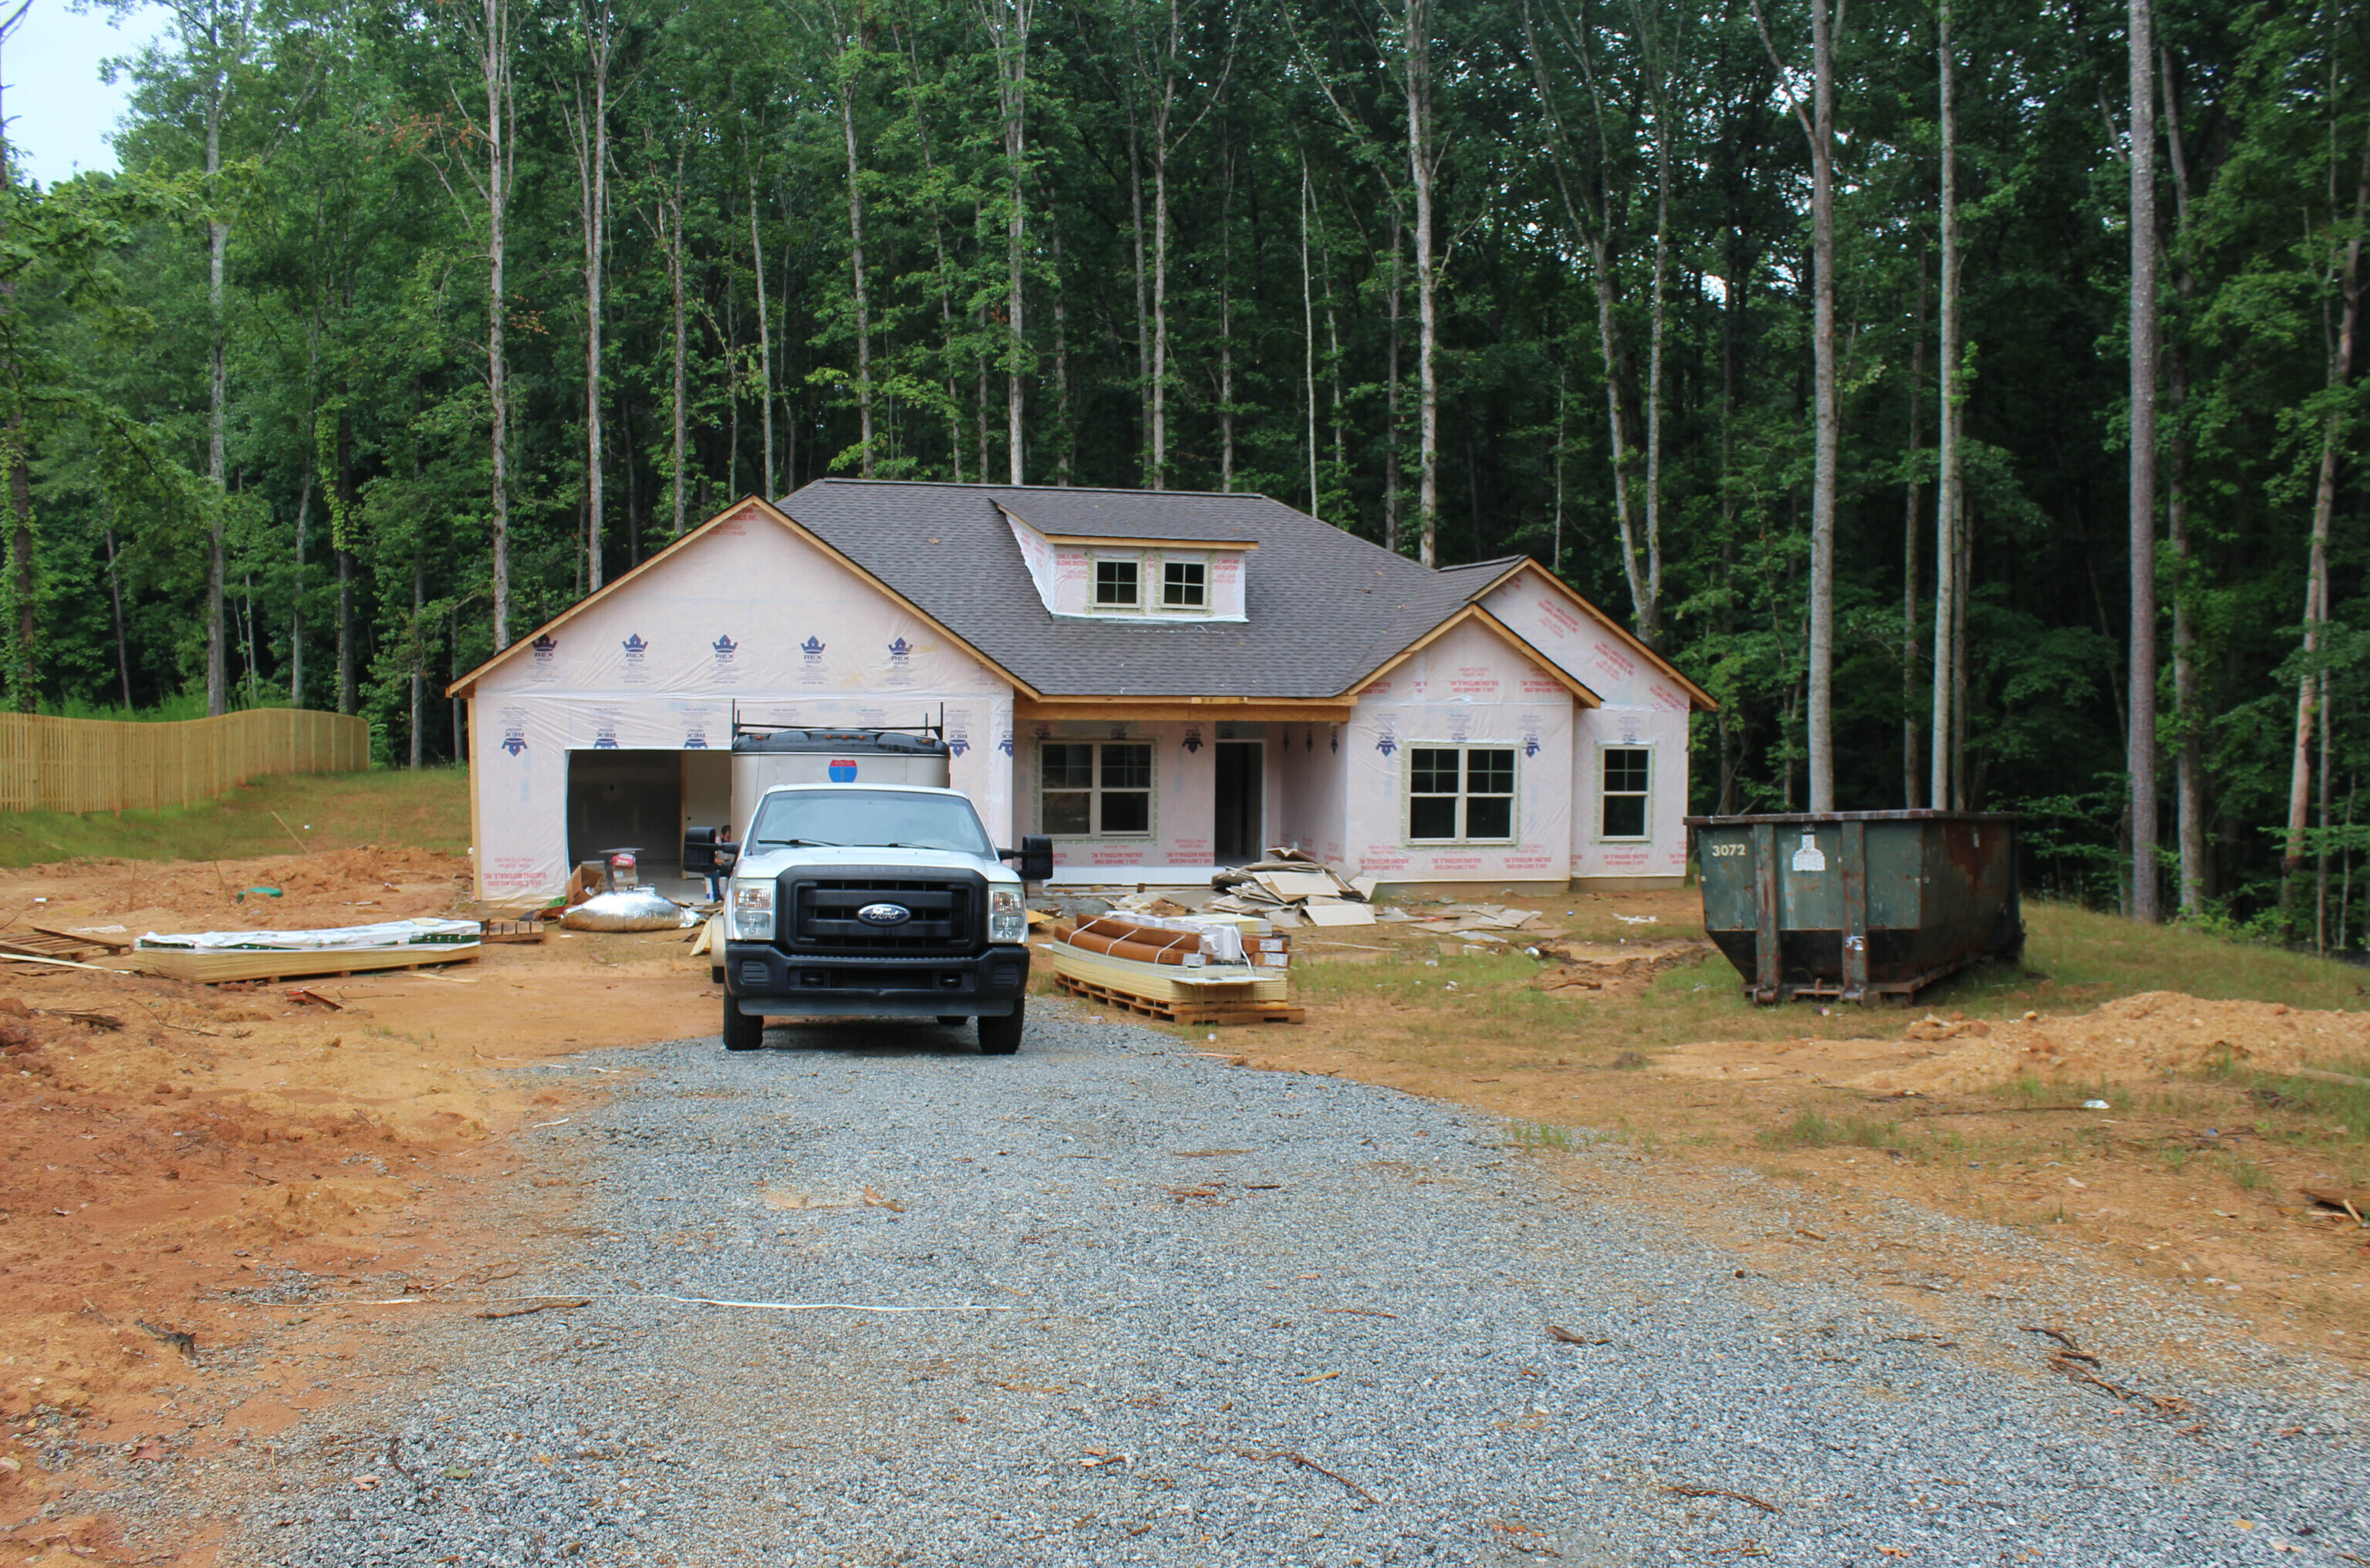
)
(875, 900)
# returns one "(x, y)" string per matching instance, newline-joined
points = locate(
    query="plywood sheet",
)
(1162, 982)
(248, 964)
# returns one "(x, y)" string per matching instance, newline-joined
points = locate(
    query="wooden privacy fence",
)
(81, 764)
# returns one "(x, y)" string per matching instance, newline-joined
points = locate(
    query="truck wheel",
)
(1001, 1037)
(953, 1020)
(742, 1031)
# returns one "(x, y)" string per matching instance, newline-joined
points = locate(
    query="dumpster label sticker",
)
(1809, 858)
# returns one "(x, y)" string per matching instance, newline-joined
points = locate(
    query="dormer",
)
(1118, 577)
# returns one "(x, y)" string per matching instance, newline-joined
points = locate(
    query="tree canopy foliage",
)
(405, 326)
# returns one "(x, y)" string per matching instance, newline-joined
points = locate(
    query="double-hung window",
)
(1461, 793)
(1096, 789)
(1116, 585)
(1626, 775)
(1184, 585)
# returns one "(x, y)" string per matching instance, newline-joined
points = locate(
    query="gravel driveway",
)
(1179, 1312)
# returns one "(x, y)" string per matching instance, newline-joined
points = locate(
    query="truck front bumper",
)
(764, 981)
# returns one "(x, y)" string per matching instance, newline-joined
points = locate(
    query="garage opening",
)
(628, 800)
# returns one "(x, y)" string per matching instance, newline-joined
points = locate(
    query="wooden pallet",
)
(515, 931)
(40, 943)
(216, 966)
(1184, 1012)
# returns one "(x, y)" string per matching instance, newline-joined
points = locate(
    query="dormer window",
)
(1184, 585)
(1115, 585)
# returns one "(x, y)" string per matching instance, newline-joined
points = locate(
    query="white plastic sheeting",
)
(748, 612)
(383, 934)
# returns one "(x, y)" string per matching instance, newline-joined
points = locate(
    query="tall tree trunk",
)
(341, 522)
(1650, 625)
(2188, 758)
(765, 340)
(2324, 507)
(1421, 163)
(2140, 745)
(217, 381)
(1913, 523)
(679, 415)
(1143, 299)
(296, 608)
(1391, 392)
(592, 210)
(1008, 28)
(1160, 273)
(115, 599)
(1226, 320)
(494, 59)
(1949, 507)
(1827, 436)
(1065, 429)
(418, 655)
(1308, 335)
(26, 678)
(856, 266)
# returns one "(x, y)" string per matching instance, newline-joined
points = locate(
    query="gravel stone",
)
(1208, 1316)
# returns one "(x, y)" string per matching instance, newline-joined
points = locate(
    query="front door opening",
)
(628, 800)
(1242, 789)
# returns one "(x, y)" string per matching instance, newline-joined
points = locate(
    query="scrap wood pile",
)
(1219, 969)
(1288, 887)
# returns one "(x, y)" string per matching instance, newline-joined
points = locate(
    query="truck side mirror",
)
(1035, 855)
(704, 857)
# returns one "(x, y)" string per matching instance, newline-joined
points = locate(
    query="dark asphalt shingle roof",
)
(1324, 608)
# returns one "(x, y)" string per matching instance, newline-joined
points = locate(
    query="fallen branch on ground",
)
(557, 1303)
(1300, 1458)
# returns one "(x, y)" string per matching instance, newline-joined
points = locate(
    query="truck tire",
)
(1001, 1037)
(953, 1020)
(742, 1031)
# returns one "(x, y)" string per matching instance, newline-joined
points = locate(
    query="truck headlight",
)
(1006, 921)
(752, 911)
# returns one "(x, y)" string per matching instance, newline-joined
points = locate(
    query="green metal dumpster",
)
(1858, 905)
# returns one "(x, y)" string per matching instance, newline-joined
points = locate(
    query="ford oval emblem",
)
(884, 914)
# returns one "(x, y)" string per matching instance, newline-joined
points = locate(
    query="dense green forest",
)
(1788, 333)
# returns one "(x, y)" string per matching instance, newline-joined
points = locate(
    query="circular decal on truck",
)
(884, 914)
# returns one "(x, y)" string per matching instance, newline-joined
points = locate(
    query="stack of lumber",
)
(216, 957)
(1176, 968)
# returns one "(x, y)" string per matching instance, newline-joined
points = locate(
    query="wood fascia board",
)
(1113, 538)
(1278, 710)
(466, 685)
(1473, 612)
(1464, 613)
(1704, 700)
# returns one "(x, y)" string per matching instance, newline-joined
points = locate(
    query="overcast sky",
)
(59, 114)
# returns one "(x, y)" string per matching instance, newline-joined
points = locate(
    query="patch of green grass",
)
(1530, 1137)
(393, 806)
(1809, 1130)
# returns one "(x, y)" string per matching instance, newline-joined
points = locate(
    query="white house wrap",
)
(1162, 681)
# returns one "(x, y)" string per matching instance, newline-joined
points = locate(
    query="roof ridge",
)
(1053, 490)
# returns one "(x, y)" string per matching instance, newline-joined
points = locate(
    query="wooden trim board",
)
(220, 966)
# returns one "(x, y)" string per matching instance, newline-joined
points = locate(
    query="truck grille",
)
(944, 916)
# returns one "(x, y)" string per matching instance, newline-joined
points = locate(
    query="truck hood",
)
(772, 862)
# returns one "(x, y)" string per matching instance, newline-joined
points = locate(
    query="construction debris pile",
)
(1288, 887)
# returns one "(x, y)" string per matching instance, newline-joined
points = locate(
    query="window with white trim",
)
(1460, 794)
(1184, 585)
(1095, 789)
(1625, 779)
(1116, 584)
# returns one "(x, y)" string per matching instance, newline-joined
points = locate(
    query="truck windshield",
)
(874, 819)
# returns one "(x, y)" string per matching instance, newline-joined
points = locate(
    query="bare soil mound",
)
(2137, 1040)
